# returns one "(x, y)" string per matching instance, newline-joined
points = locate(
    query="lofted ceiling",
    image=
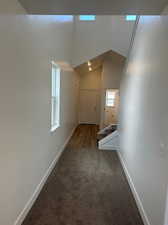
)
(97, 62)
(97, 7)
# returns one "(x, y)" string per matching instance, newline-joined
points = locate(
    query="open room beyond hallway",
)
(87, 187)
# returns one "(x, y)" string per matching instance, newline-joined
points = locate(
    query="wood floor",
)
(87, 187)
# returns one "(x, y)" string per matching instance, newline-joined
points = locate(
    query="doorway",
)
(111, 107)
(89, 107)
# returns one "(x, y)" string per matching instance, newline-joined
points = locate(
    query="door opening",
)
(111, 106)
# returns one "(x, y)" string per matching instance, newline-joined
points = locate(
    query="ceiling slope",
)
(92, 39)
(97, 62)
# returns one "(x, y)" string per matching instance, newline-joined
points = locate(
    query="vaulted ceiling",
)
(97, 62)
(76, 7)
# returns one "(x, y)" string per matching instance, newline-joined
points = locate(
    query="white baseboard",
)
(135, 193)
(38, 189)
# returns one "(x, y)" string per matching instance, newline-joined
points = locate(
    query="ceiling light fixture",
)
(89, 63)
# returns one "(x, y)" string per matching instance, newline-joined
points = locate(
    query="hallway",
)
(87, 187)
(64, 66)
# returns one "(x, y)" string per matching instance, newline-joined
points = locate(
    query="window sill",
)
(54, 128)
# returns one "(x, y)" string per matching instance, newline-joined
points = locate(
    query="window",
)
(87, 17)
(55, 97)
(131, 17)
(110, 98)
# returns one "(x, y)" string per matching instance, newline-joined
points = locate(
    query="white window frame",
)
(55, 96)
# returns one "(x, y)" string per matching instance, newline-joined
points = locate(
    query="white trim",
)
(39, 187)
(107, 147)
(54, 63)
(110, 142)
(109, 137)
(53, 128)
(134, 192)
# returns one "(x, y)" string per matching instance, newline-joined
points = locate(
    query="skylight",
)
(131, 17)
(87, 17)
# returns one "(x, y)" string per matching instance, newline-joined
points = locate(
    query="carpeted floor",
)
(87, 187)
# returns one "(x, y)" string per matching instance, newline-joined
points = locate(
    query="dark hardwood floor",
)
(87, 187)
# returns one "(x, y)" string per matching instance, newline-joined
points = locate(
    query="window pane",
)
(57, 81)
(55, 96)
(110, 97)
(110, 94)
(87, 17)
(52, 111)
(110, 102)
(53, 81)
(131, 17)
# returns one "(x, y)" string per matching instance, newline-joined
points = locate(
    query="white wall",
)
(111, 79)
(144, 116)
(90, 80)
(112, 73)
(27, 46)
(104, 34)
